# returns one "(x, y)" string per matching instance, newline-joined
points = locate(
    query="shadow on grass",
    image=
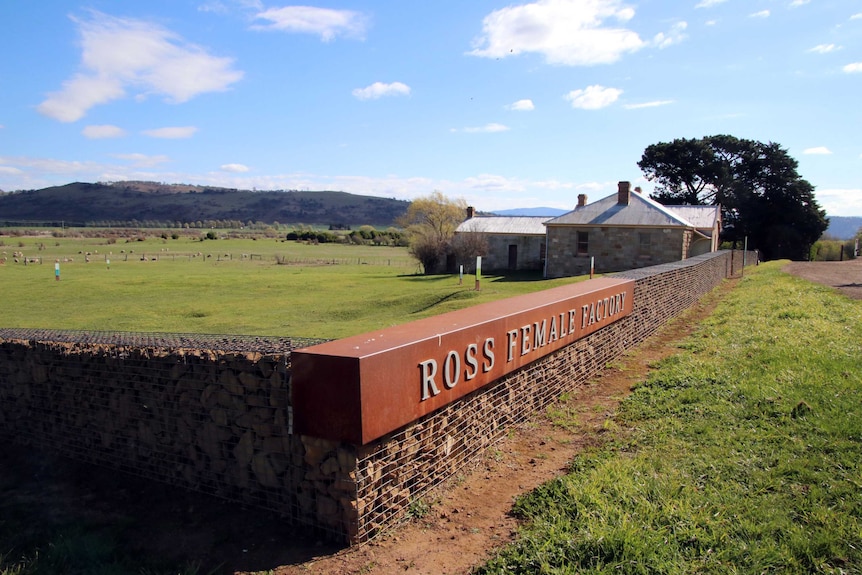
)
(517, 276)
(61, 516)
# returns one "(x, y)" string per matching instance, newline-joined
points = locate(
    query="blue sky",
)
(503, 104)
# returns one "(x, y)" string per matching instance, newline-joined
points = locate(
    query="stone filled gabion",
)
(213, 413)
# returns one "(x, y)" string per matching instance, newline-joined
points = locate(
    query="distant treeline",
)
(365, 236)
(141, 224)
(146, 205)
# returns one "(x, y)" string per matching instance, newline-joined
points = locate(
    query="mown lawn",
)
(326, 291)
(740, 454)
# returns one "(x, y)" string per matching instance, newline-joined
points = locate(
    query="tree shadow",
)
(154, 523)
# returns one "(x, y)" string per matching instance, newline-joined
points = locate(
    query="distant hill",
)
(532, 212)
(842, 227)
(145, 202)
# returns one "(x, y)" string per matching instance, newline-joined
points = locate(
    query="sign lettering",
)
(374, 383)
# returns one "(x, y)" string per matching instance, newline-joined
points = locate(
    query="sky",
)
(504, 104)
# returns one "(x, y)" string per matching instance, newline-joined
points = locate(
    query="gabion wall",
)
(213, 413)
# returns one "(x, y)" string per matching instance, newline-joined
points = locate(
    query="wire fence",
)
(220, 342)
(210, 257)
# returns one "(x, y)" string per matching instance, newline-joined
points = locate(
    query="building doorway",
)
(513, 257)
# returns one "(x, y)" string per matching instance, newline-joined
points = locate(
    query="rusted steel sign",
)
(360, 388)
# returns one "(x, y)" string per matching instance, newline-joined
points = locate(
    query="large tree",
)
(430, 223)
(761, 194)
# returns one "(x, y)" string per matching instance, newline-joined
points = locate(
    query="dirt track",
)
(846, 277)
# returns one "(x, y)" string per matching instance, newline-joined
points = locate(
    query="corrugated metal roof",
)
(703, 217)
(641, 211)
(513, 225)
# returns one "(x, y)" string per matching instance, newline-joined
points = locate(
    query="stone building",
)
(627, 230)
(515, 243)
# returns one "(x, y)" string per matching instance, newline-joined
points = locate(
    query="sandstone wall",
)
(613, 248)
(530, 252)
(215, 416)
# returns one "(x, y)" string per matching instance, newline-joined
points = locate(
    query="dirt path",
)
(846, 277)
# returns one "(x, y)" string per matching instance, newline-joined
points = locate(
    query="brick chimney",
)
(638, 190)
(470, 212)
(582, 200)
(624, 193)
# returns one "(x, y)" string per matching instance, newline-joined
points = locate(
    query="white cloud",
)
(796, 3)
(172, 133)
(593, 97)
(234, 168)
(840, 202)
(653, 104)
(674, 36)
(122, 54)
(824, 48)
(214, 6)
(10, 170)
(379, 89)
(761, 14)
(856, 16)
(143, 160)
(102, 132)
(310, 20)
(490, 128)
(567, 32)
(79, 95)
(818, 151)
(853, 68)
(41, 172)
(522, 106)
(709, 3)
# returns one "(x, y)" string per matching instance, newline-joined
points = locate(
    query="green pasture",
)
(233, 286)
(740, 454)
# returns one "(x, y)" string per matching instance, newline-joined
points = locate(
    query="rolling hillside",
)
(843, 228)
(144, 202)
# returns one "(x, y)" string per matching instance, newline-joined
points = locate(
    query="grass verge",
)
(240, 295)
(741, 454)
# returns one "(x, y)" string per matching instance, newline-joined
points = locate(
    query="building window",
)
(645, 242)
(583, 243)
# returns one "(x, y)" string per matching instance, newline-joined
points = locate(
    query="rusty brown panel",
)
(328, 403)
(359, 388)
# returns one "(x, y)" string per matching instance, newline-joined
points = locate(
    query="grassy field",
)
(231, 287)
(741, 454)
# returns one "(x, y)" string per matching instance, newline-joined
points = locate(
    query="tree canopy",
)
(762, 196)
(430, 222)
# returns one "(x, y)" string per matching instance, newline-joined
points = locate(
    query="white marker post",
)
(57, 271)
(478, 271)
(592, 266)
(461, 274)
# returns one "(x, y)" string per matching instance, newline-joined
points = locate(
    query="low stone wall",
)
(412, 463)
(215, 415)
(213, 418)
